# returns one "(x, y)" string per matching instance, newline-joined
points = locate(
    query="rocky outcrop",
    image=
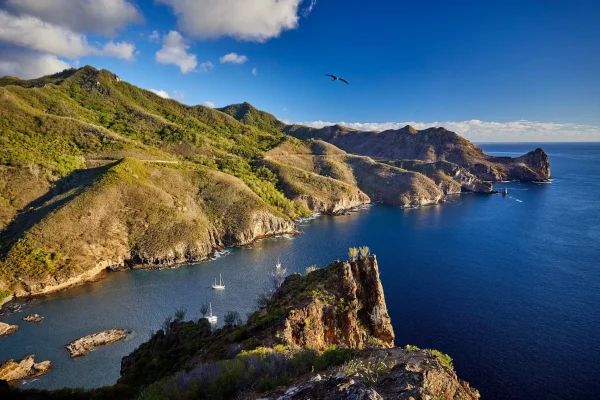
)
(7, 329)
(33, 318)
(407, 375)
(82, 346)
(347, 307)
(24, 369)
(331, 321)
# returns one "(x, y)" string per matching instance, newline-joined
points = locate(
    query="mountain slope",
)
(430, 145)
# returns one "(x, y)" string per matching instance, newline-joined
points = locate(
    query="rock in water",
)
(33, 318)
(6, 329)
(24, 369)
(82, 346)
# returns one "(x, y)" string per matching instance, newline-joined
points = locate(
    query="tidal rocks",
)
(82, 346)
(24, 369)
(33, 318)
(6, 329)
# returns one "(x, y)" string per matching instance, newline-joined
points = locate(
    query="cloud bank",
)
(249, 20)
(98, 16)
(483, 131)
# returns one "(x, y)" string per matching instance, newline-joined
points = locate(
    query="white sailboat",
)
(278, 265)
(220, 285)
(211, 318)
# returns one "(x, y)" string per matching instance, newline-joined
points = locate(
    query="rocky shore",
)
(82, 346)
(6, 329)
(25, 369)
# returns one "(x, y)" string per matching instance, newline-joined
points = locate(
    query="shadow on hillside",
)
(63, 191)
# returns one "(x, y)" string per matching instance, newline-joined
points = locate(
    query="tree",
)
(180, 314)
(364, 251)
(352, 253)
(232, 318)
(204, 309)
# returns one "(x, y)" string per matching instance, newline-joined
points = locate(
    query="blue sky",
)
(490, 70)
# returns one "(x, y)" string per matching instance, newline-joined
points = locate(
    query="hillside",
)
(430, 145)
(97, 173)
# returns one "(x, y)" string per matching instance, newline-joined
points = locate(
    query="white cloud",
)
(122, 50)
(99, 16)
(233, 58)
(35, 34)
(483, 131)
(29, 65)
(209, 104)
(174, 51)
(206, 66)
(160, 93)
(154, 36)
(252, 20)
(254, 71)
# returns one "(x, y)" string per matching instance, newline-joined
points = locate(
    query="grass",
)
(261, 369)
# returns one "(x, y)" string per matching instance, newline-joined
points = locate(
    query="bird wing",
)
(333, 76)
(345, 81)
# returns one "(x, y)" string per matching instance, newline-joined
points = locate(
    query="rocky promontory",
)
(323, 335)
(82, 346)
(7, 329)
(24, 369)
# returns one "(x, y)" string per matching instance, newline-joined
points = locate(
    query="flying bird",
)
(335, 78)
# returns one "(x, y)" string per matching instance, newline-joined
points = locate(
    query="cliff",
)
(316, 334)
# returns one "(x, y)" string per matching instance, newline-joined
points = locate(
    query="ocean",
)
(508, 286)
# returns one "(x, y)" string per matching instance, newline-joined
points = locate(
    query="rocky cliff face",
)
(346, 307)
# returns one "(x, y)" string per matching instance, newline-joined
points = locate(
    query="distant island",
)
(98, 174)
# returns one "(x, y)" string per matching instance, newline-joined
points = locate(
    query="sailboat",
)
(211, 318)
(278, 265)
(220, 285)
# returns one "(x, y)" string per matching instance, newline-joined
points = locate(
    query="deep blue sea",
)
(508, 286)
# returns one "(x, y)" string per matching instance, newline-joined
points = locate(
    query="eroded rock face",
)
(82, 346)
(6, 329)
(346, 306)
(24, 369)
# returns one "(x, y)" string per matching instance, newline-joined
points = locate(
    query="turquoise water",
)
(508, 286)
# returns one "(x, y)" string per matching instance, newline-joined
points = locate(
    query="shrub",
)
(232, 318)
(310, 269)
(166, 325)
(444, 358)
